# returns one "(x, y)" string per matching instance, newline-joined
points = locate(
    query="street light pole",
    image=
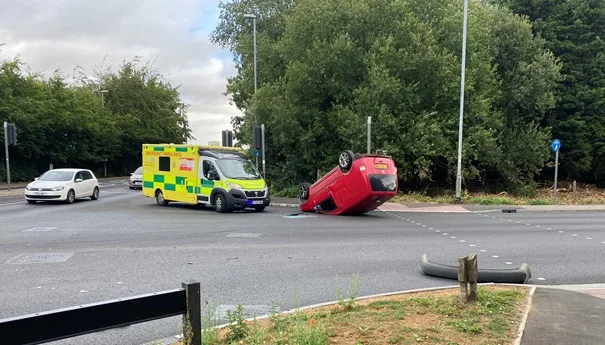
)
(459, 170)
(253, 17)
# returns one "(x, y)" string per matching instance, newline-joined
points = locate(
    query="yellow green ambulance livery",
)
(221, 177)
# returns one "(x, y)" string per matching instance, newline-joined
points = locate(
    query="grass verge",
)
(432, 317)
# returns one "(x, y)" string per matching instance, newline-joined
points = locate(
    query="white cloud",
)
(62, 34)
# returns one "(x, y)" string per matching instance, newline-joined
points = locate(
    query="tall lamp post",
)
(253, 17)
(459, 170)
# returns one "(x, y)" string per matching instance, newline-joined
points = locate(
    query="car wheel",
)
(259, 208)
(71, 197)
(220, 203)
(95, 194)
(303, 192)
(159, 198)
(31, 201)
(131, 187)
(345, 160)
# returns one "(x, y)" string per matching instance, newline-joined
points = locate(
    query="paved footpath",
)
(572, 315)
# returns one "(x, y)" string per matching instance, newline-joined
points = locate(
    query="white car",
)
(63, 185)
(136, 179)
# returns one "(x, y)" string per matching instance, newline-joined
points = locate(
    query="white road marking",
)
(508, 263)
(13, 203)
(548, 228)
(483, 250)
(518, 222)
(437, 230)
(538, 226)
(424, 226)
(588, 238)
(561, 231)
(495, 256)
(462, 241)
(430, 228)
(574, 235)
(453, 236)
(527, 224)
(445, 234)
(40, 229)
(471, 245)
(540, 278)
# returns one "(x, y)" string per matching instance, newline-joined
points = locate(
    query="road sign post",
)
(556, 145)
(8, 170)
(369, 133)
(262, 126)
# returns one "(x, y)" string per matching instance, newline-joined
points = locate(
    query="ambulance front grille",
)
(255, 193)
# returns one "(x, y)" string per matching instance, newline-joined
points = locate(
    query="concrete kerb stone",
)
(283, 205)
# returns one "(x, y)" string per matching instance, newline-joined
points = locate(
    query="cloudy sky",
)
(61, 34)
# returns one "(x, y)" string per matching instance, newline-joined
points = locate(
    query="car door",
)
(79, 187)
(207, 170)
(89, 182)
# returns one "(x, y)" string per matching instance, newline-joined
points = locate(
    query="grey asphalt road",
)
(123, 245)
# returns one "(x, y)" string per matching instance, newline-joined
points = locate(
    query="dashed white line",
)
(453, 237)
(437, 230)
(445, 234)
(548, 228)
(430, 228)
(495, 256)
(518, 222)
(462, 241)
(538, 226)
(424, 226)
(471, 245)
(540, 278)
(508, 263)
(527, 224)
(483, 250)
(589, 238)
(574, 235)
(561, 231)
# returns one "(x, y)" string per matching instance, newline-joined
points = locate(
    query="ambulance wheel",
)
(159, 198)
(220, 203)
(345, 160)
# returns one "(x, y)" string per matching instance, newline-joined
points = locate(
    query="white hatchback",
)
(63, 185)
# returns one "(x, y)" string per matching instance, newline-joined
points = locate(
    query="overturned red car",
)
(359, 184)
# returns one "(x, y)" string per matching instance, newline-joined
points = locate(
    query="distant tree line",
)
(87, 120)
(325, 65)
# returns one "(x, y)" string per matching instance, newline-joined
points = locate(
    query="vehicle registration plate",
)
(380, 166)
(257, 202)
(39, 193)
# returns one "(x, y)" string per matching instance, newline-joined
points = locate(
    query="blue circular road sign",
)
(256, 153)
(556, 145)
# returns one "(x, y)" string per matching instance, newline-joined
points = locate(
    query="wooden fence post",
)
(192, 320)
(575, 192)
(462, 279)
(471, 274)
(467, 277)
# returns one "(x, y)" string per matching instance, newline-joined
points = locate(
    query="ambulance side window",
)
(208, 167)
(164, 163)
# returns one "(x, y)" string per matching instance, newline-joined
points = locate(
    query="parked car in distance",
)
(359, 184)
(63, 185)
(136, 179)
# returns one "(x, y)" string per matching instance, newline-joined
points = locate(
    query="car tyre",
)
(159, 198)
(71, 197)
(95, 194)
(220, 203)
(259, 208)
(31, 201)
(131, 187)
(345, 160)
(304, 191)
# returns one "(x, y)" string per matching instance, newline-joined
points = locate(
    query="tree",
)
(399, 63)
(575, 31)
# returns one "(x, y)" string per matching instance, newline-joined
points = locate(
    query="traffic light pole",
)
(8, 170)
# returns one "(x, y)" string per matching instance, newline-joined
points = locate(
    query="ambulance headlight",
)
(235, 185)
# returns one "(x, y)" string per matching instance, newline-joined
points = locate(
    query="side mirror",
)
(78, 180)
(36, 178)
(131, 174)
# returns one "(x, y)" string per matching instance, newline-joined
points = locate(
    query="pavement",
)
(565, 315)
(54, 256)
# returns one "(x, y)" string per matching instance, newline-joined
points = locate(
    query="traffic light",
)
(258, 137)
(11, 133)
(227, 138)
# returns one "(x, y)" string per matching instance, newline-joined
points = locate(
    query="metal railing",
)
(64, 323)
